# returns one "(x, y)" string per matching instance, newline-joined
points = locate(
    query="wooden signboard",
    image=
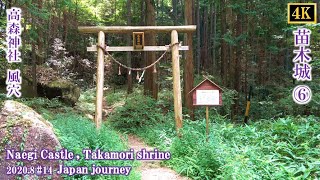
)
(138, 40)
(207, 93)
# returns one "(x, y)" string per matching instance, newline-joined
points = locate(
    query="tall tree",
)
(129, 74)
(150, 83)
(40, 34)
(223, 43)
(237, 64)
(205, 37)
(231, 50)
(175, 12)
(34, 59)
(214, 61)
(188, 65)
(198, 37)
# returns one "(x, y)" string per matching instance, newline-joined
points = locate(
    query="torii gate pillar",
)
(100, 80)
(176, 80)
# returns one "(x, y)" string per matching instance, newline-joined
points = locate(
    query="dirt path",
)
(151, 170)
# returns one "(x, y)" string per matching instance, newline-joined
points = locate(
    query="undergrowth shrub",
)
(165, 101)
(279, 103)
(138, 111)
(77, 133)
(286, 148)
(192, 156)
(46, 107)
(275, 147)
(41, 103)
(164, 131)
(114, 97)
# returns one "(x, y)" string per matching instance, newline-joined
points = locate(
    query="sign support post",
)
(207, 122)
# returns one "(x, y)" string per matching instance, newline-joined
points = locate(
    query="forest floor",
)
(152, 169)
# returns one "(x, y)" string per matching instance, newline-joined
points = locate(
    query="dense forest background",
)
(238, 44)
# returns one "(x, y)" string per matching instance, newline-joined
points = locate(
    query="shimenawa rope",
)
(136, 69)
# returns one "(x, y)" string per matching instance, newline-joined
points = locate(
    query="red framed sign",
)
(207, 93)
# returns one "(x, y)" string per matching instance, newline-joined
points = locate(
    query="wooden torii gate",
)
(101, 30)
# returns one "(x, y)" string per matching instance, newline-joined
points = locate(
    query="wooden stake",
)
(246, 115)
(100, 79)
(176, 81)
(207, 122)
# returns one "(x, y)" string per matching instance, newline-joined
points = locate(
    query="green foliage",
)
(113, 98)
(165, 101)
(274, 102)
(138, 111)
(38, 103)
(45, 106)
(77, 133)
(86, 101)
(192, 156)
(287, 148)
(228, 98)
